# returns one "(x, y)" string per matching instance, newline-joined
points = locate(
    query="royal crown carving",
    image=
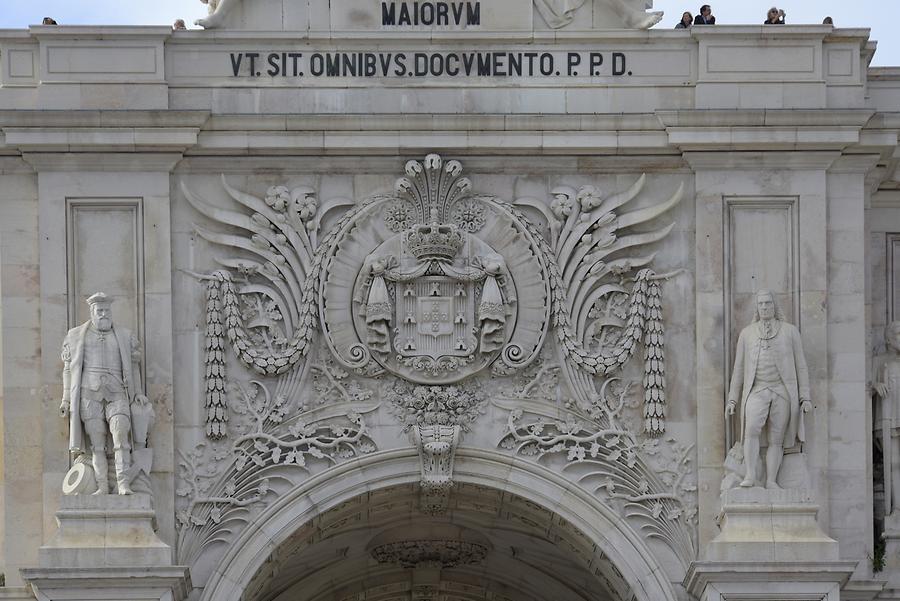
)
(434, 242)
(432, 299)
(435, 284)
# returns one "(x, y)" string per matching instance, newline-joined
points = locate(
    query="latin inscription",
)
(431, 14)
(429, 64)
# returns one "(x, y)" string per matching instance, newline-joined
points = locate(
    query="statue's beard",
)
(104, 324)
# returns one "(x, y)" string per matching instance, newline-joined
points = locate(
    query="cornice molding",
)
(765, 117)
(99, 139)
(703, 573)
(102, 118)
(886, 199)
(761, 160)
(107, 162)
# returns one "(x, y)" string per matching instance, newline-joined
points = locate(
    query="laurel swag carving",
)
(586, 266)
(430, 262)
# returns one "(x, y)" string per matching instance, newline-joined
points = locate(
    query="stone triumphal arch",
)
(498, 538)
(519, 300)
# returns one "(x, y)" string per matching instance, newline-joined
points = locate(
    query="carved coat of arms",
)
(432, 302)
(433, 284)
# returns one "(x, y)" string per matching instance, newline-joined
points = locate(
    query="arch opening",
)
(361, 535)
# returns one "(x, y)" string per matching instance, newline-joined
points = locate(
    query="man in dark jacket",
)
(705, 17)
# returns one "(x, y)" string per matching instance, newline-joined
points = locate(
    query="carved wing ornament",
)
(434, 284)
(438, 290)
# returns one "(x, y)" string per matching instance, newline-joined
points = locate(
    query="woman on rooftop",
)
(775, 16)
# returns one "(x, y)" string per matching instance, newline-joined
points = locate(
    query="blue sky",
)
(882, 16)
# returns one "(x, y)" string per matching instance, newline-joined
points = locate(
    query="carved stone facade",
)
(405, 334)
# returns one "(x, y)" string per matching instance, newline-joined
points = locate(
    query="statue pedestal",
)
(126, 584)
(770, 545)
(891, 537)
(107, 543)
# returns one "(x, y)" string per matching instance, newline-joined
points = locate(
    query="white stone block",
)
(132, 583)
(768, 525)
(105, 531)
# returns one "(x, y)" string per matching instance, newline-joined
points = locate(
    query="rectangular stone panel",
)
(105, 252)
(756, 59)
(840, 62)
(21, 63)
(101, 59)
(394, 65)
(762, 247)
(893, 276)
(18, 64)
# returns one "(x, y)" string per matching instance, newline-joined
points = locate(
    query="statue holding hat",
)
(103, 396)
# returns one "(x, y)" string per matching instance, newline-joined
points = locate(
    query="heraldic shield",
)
(426, 282)
(433, 303)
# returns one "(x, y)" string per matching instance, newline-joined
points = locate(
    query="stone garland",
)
(614, 463)
(222, 483)
(283, 243)
(584, 235)
(216, 406)
(577, 245)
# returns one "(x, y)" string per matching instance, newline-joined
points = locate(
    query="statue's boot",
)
(98, 461)
(123, 462)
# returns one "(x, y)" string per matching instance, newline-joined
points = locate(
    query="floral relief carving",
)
(469, 216)
(435, 405)
(419, 292)
(649, 480)
(398, 216)
(222, 483)
(430, 553)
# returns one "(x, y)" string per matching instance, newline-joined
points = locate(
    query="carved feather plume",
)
(590, 256)
(273, 250)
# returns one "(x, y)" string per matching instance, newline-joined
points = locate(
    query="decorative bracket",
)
(437, 448)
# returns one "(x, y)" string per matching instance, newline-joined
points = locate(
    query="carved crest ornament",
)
(429, 294)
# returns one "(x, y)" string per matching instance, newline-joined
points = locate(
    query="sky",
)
(882, 16)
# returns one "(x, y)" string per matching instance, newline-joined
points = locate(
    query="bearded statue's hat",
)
(99, 298)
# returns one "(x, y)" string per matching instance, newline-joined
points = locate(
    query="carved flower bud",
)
(278, 197)
(589, 198)
(563, 202)
(261, 220)
(260, 242)
(304, 202)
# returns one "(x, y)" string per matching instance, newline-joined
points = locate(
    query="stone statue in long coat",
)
(101, 380)
(771, 381)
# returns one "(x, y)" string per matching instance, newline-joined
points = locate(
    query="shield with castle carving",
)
(436, 314)
(434, 284)
(426, 282)
(420, 303)
(435, 317)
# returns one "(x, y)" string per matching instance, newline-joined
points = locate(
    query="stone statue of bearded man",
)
(101, 379)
